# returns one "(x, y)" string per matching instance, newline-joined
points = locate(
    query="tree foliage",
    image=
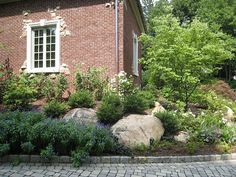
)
(147, 6)
(180, 57)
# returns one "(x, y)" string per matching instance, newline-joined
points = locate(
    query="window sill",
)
(48, 70)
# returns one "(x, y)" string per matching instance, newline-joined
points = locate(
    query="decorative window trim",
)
(43, 24)
(135, 55)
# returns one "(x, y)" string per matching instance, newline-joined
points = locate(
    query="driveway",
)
(196, 169)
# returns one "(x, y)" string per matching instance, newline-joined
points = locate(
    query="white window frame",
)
(30, 62)
(135, 55)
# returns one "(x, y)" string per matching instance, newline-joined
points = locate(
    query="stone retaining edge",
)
(119, 159)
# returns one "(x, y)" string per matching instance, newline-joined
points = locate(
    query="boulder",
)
(82, 115)
(158, 108)
(229, 115)
(182, 136)
(138, 129)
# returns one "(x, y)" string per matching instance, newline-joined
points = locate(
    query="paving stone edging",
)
(120, 159)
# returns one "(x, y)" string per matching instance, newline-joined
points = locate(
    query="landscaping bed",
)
(181, 149)
(102, 118)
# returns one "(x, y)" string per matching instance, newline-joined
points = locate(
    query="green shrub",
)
(134, 103)
(52, 136)
(19, 94)
(209, 130)
(16, 126)
(4, 149)
(228, 134)
(111, 109)
(27, 147)
(103, 141)
(55, 109)
(169, 121)
(54, 87)
(92, 80)
(82, 98)
(78, 156)
(37, 81)
(47, 153)
(148, 98)
(188, 122)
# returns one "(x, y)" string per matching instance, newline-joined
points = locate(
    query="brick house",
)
(52, 36)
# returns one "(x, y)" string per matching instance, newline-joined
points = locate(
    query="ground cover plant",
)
(34, 133)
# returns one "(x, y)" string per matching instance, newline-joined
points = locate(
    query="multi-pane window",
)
(135, 55)
(43, 47)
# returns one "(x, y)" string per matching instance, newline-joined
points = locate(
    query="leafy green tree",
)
(161, 7)
(181, 57)
(185, 10)
(147, 6)
(219, 14)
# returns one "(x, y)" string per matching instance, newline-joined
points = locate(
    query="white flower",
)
(122, 74)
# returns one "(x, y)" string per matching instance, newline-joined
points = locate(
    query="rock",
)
(158, 108)
(138, 129)
(64, 69)
(229, 115)
(82, 115)
(182, 136)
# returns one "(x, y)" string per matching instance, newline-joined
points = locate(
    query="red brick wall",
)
(92, 28)
(130, 26)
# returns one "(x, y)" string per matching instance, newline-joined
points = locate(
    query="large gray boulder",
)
(138, 129)
(82, 115)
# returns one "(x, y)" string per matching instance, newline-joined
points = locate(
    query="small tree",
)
(180, 57)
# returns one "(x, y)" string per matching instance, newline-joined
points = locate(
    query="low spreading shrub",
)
(4, 149)
(27, 147)
(148, 98)
(134, 103)
(15, 128)
(228, 134)
(55, 109)
(169, 121)
(48, 152)
(187, 122)
(82, 98)
(49, 137)
(210, 127)
(78, 156)
(111, 109)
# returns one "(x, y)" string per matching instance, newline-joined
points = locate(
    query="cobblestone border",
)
(120, 159)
